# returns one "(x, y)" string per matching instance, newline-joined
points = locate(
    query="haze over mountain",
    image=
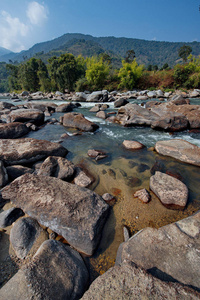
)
(147, 52)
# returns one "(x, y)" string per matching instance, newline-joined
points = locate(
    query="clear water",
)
(122, 173)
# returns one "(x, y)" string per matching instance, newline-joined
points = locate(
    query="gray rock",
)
(95, 108)
(126, 233)
(99, 96)
(194, 94)
(159, 94)
(120, 102)
(3, 175)
(26, 236)
(25, 94)
(17, 171)
(43, 106)
(57, 167)
(28, 150)
(9, 216)
(169, 253)
(108, 197)
(26, 115)
(179, 149)
(56, 272)
(79, 96)
(101, 114)
(75, 213)
(172, 192)
(142, 98)
(65, 107)
(13, 130)
(171, 122)
(77, 120)
(129, 281)
(152, 94)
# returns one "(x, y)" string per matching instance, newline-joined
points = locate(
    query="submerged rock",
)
(172, 192)
(73, 212)
(143, 195)
(28, 150)
(56, 272)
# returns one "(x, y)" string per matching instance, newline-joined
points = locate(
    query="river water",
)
(122, 173)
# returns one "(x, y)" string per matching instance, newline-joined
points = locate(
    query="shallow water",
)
(122, 173)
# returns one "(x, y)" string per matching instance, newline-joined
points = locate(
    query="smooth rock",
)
(171, 122)
(13, 130)
(132, 145)
(101, 114)
(73, 212)
(99, 96)
(108, 197)
(66, 107)
(9, 216)
(179, 149)
(26, 115)
(128, 281)
(26, 237)
(28, 150)
(172, 192)
(57, 167)
(170, 253)
(56, 272)
(126, 234)
(78, 121)
(43, 106)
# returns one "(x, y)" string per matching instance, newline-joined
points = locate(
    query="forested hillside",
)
(147, 52)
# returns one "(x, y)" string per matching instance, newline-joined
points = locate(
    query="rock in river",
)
(27, 115)
(56, 272)
(77, 120)
(179, 149)
(28, 150)
(170, 253)
(172, 192)
(13, 130)
(73, 212)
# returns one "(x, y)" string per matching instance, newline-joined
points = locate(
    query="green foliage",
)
(96, 72)
(184, 51)
(65, 71)
(13, 82)
(130, 74)
(130, 56)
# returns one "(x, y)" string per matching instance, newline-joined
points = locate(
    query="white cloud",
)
(36, 13)
(14, 33)
(11, 30)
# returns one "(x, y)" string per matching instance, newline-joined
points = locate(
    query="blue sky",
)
(24, 23)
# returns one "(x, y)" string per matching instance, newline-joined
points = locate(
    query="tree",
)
(129, 74)
(64, 71)
(184, 51)
(13, 81)
(97, 71)
(130, 55)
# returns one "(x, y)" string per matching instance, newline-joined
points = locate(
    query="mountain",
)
(4, 51)
(147, 52)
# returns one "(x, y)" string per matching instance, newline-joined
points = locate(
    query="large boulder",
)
(65, 107)
(13, 130)
(129, 281)
(78, 121)
(35, 116)
(99, 96)
(7, 105)
(171, 122)
(56, 272)
(28, 150)
(172, 192)
(120, 102)
(75, 213)
(43, 106)
(26, 236)
(169, 253)
(58, 167)
(179, 149)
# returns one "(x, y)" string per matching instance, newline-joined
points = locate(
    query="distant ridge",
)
(147, 52)
(4, 51)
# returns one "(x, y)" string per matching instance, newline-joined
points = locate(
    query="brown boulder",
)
(27, 115)
(73, 212)
(13, 130)
(28, 150)
(132, 145)
(78, 121)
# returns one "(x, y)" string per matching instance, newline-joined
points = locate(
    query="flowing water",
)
(122, 173)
